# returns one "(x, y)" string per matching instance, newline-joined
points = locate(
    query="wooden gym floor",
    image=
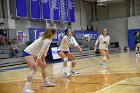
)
(123, 76)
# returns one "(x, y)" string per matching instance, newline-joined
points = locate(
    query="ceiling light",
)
(102, 1)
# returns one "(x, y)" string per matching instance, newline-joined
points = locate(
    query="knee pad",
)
(31, 74)
(104, 58)
(65, 59)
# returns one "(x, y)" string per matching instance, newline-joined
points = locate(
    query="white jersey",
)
(66, 43)
(39, 47)
(103, 42)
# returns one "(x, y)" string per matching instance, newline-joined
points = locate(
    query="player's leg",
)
(65, 59)
(107, 54)
(137, 49)
(30, 62)
(43, 66)
(105, 57)
(138, 46)
(74, 62)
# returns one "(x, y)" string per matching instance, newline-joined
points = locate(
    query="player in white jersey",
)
(104, 41)
(35, 55)
(64, 52)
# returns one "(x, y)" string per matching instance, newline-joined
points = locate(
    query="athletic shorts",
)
(65, 52)
(25, 54)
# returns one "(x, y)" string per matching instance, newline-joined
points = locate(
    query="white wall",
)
(113, 10)
(120, 9)
(117, 29)
(0, 10)
(137, 7)
(83, 15)
(102, 13)
(134, 22)
(76, 25)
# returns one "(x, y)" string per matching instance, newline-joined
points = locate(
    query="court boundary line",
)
(101, 90)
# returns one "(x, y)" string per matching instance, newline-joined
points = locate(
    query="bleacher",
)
(11, 62)
(86, 52)
(4, 52)
(5, 59)
(114, 47)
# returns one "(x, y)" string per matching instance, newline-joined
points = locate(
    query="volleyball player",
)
(35, 55)
(103, 40)
(65, 54)
(137, 43)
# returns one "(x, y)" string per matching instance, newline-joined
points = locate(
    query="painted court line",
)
(101, 91)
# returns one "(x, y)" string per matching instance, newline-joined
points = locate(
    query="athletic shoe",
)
(103, 66)
(66, 74)
(27, 90)
(49, 84)
(137, 55)
(106, 67)
(74, 72)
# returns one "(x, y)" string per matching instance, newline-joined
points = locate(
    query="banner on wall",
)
(21, 8)
(35, 33)
(38, 33)
(55, 9)
(46, 10)
(71, 10)
(20, 36)
(81, 35)
(31, 34)
(93, 35)
(64, 10)
(78, 34)
(35, 9)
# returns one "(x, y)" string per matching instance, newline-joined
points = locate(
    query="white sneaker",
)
(27, 90)
(106, 67)
(49, 84)
(66, 74)
(74, 72)
(100, 64)
(137, 55)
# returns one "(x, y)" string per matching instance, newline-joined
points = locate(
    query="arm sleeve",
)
(97, 41)
(108, 40)
(46, 43)
(45, 53)
(74, 43)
